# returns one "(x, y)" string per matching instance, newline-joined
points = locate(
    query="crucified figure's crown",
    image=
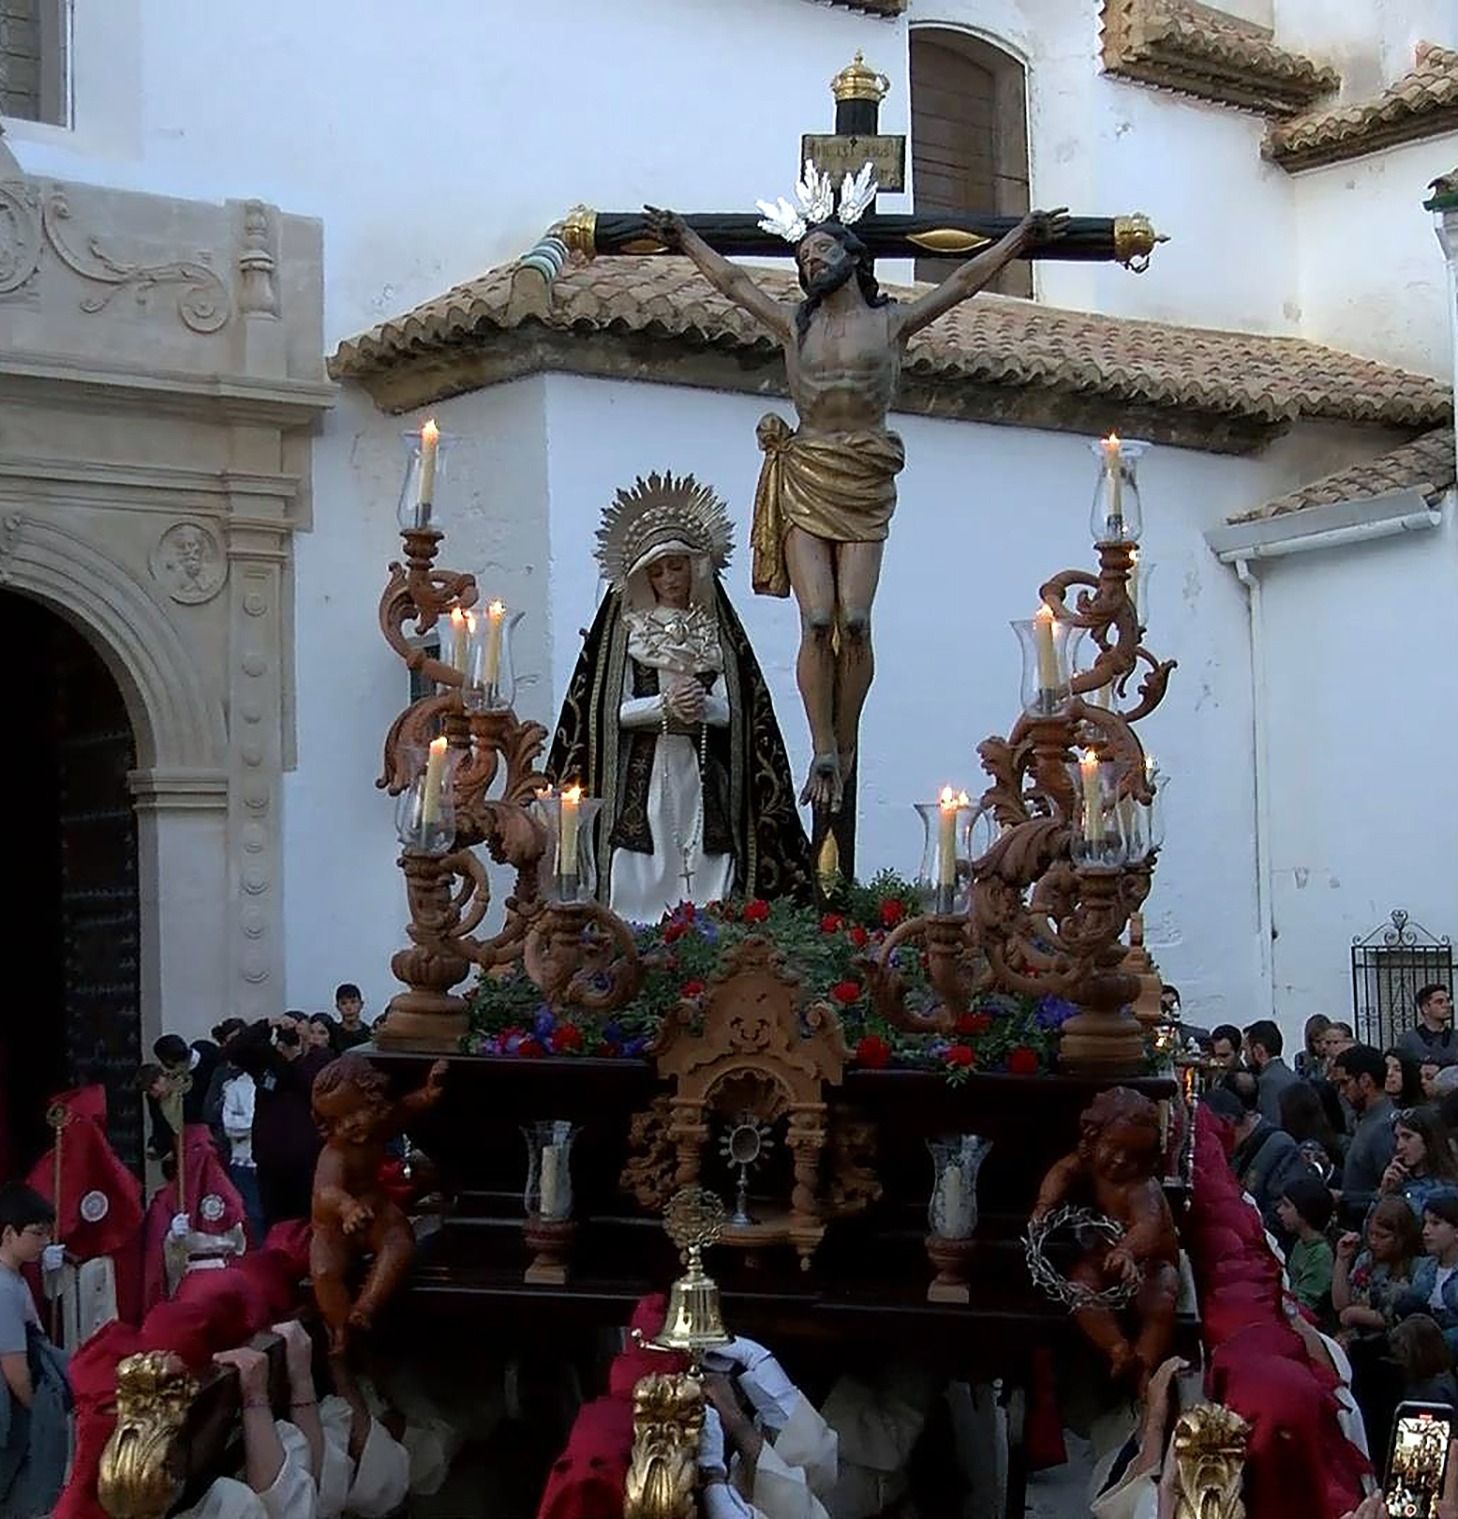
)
(817, 202)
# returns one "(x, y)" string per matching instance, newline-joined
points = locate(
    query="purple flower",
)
(938, 1048)
(635, 1046)
(1053, 1012)
(512, 1044)
(543, 1023)
(612, 1032)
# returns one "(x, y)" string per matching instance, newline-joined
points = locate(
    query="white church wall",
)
(1372, 277)
(1370, 42)
(986, 515)
(1364, 795)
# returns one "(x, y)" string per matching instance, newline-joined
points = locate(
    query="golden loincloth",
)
(842, 489)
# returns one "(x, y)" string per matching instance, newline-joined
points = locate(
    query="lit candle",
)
(495, 620)
(1093, 800)
(425, 496)
(947, 838)
(549, 1204)
(1114, 471)
(461, 628)
(567, 852)
(1043, 643)
(434, 781)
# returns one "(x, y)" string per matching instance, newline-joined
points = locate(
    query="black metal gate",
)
(1389, 965)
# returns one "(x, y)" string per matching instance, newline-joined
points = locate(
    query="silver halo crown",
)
(660, 510)
(817, 202)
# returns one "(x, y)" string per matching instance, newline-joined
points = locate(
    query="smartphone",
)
(1418, 1462)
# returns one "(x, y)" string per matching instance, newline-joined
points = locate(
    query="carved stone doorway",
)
(71, 936)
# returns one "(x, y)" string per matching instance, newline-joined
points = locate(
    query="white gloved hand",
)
(721, 1501)
(711, 1441)
(181, 1226)
(761, 1378)
(53, 1257)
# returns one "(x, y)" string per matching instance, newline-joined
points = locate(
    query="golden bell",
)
(693, 1323)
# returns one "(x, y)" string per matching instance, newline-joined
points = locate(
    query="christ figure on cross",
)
(827, 490)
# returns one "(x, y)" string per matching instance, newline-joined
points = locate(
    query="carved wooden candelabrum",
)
(1063, 848)
(464, 770)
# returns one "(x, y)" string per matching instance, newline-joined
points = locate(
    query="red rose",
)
(686, 911)
(528, 1049)
(691, 989)
(673, 932)
(973, 1023)
(873, 1052)
(892, 912)
(566, 1039)
(858, 936)
(830, 923)
(846, 992)
(756, 911)
(962, 1055)
(1023, 1061)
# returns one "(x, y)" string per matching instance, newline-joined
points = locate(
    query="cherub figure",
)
(353, 1215)
(1115, 1170)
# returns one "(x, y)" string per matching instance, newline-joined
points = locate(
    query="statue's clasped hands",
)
(684, 701)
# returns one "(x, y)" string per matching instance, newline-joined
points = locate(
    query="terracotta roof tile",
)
(988, 342)
(1198, 50)
(1427, 464)
(1423, 103)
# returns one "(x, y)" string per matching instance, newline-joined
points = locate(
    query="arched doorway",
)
(73, 929)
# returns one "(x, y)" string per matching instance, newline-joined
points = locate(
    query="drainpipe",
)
(1265, 913)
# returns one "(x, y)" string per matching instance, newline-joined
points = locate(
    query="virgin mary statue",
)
(669, 721)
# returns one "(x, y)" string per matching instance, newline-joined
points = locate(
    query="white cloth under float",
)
(372, 1488)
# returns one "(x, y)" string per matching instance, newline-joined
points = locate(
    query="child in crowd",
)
(1434, 1287)
(35, 1397)
(1420, 1350)
(1305, 1211)
(1367, 1283)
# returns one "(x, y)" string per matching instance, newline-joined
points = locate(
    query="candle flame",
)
(947, 800)
(438, 745)
(1111, 444)
(1088, 760)
(1044, 613)
(496, 609)
(544, 793)
(430, 433)
(1149, 766)
(458, 617)
(571, 795)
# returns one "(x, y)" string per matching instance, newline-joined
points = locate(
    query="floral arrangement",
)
(1014, 1035)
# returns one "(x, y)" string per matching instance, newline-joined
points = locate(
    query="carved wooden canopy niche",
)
(1198, 50)
(751, 1047)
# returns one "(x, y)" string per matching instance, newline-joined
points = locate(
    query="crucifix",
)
(827, 487)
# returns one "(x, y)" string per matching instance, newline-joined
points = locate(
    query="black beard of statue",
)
(830, 279)
(854, 260)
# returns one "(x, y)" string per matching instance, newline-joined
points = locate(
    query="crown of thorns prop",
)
(815, 194)
(1073, 1295)
(662, 509)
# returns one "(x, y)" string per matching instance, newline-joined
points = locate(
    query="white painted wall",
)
(1364, 795)
(1372, 277)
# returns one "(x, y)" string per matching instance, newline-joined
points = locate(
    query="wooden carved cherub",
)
(353, 1215)
(1115, 1170)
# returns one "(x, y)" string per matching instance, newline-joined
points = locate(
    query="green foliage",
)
(826, 949)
